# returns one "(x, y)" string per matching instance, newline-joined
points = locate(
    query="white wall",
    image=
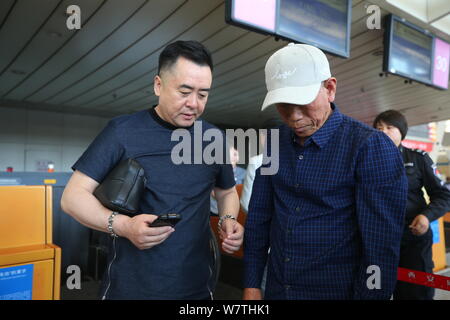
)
(27, 137)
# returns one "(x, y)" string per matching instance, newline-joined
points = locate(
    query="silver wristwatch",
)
(222, 218)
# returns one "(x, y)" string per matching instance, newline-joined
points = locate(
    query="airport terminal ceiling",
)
(106, 67)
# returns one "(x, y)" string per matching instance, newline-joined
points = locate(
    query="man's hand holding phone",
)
(137, 230)
(168, 219)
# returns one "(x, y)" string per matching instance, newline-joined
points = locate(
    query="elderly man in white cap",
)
(332, 215)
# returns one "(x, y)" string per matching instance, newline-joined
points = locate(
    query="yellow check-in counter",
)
(439, 252)
(26, 242)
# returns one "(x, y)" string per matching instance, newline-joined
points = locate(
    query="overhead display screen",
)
(411, 52)
(416, 54)
(258, 14)
(322, 23)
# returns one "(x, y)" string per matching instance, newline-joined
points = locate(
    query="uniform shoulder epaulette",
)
(419, 151)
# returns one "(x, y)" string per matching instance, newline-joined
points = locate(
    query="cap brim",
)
(292, 95)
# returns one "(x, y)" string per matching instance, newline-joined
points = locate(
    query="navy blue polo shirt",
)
(178, 268)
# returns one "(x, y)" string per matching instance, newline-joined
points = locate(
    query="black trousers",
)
(415, 254)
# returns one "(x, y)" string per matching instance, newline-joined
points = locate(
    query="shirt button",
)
(300, 157)
(297, 209)
(287, 259)
(297, 185)
(287, 287)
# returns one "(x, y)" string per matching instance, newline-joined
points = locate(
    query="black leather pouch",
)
(122, 188)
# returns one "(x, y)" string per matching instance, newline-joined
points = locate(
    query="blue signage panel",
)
(16, 283)
(435, 228)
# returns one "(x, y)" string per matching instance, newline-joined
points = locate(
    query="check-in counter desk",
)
(30, 264)
(439, 254)
(68, 234)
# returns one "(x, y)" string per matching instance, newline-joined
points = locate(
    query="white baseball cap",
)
(294, 75)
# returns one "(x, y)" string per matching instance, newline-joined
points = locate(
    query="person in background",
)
(253, 164)
(238, 172)
(335, 208)
(417, 239)
(447, 183)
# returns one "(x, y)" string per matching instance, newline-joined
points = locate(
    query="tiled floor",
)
(89, 291)
(228, 290)
(443, 294)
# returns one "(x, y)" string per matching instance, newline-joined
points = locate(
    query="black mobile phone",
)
(169, 219)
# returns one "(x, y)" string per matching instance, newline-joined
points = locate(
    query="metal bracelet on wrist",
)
(222, 219)
(110, 224)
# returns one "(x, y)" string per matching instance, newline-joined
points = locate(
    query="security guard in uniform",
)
(417, 240)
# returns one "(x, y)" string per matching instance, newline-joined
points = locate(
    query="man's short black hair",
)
(191, 50)
(393, 118)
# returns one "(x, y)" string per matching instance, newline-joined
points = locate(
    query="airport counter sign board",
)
(16, 283)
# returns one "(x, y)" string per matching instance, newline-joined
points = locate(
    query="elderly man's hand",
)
(252, 294)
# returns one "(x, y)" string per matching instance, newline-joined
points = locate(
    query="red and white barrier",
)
(424, 279)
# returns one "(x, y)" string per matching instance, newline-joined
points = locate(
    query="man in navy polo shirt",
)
(160, 262)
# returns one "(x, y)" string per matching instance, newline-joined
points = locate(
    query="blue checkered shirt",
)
(334, 209)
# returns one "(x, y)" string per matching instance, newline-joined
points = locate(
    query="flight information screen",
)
(256, 14)
(322, 23)
(410, 52)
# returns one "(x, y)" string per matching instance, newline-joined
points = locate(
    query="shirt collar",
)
(162, 122)
(323, 135)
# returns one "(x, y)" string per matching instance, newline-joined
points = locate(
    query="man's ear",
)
(331, 88)
(157, 85)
